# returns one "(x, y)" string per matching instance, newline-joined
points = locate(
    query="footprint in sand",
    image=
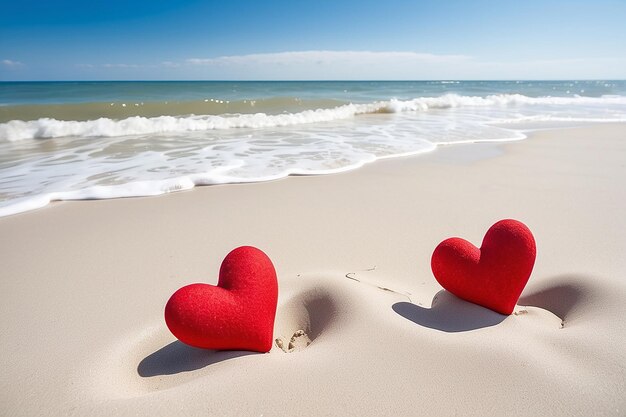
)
(304, 315)
(298, 341)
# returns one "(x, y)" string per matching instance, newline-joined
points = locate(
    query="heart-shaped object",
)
(237, 314)
(493, 276)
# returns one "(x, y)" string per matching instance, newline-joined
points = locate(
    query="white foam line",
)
(15, 130)
(160, 187)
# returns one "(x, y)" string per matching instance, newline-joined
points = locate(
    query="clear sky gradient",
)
(286, 40)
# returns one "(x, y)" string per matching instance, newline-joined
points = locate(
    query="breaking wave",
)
(15, 130)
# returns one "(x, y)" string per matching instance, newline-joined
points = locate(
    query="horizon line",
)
(330, 80)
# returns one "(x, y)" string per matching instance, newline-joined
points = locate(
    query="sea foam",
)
(142, 156)
(15, 130)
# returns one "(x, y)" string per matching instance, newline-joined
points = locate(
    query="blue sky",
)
(148, 40)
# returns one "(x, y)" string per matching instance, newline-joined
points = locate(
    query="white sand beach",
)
(84, 285)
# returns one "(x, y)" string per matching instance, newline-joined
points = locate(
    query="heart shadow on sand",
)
(564, 296)
(177, 357)
(449, 314)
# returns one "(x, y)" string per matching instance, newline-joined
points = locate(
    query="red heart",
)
(493, 276)
(237, 314)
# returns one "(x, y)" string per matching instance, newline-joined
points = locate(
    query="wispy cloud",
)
(325, 64)
(111, 66)
(170, 64)
(8, 63)
(120, 65)
(357, 65)
(326, 58)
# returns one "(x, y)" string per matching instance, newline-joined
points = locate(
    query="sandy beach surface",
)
(84, 285)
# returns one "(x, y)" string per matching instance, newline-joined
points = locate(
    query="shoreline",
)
(190, 182)
(85, 284)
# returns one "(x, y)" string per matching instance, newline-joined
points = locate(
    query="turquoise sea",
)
(80, 140)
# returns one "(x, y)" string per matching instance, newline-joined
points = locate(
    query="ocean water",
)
(93, 140)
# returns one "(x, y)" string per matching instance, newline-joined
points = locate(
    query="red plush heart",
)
(492, 276)
(237, 314)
